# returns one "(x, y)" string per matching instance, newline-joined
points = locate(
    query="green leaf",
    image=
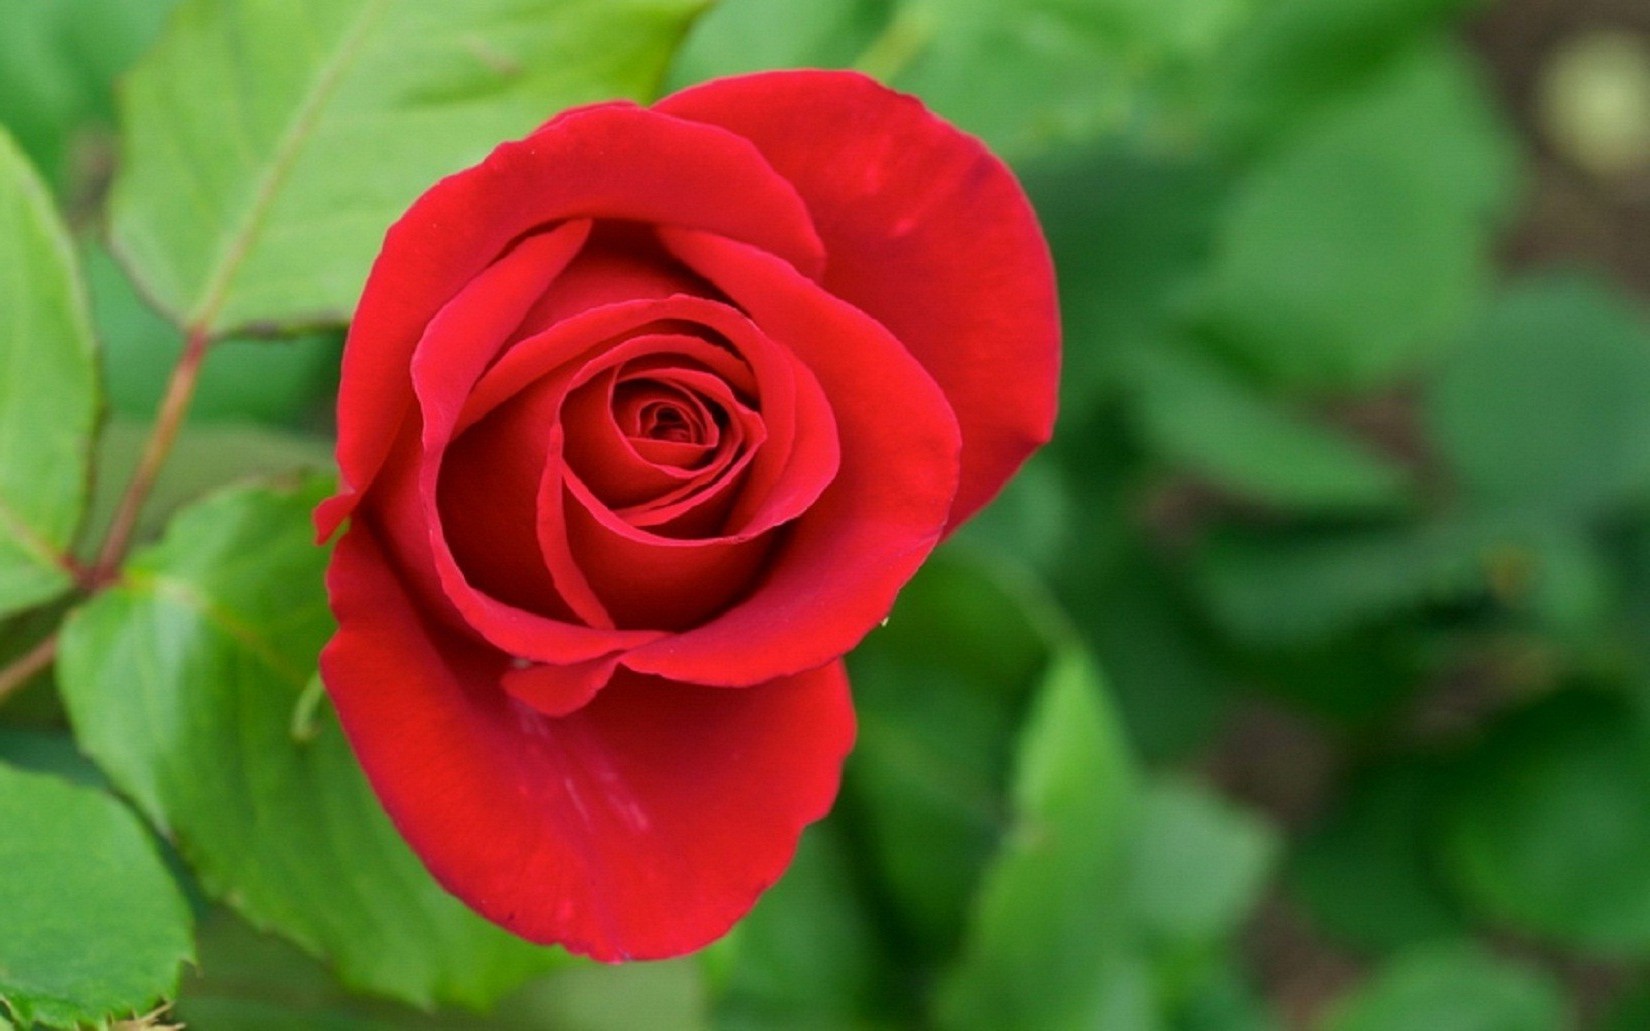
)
(1048, 946)
(1025, 75)
(1542, 406)
(1453, 987)
(1200, 416)
(58, 62)
(183, 682)
(247, 981)
(48, 390)
(1295, 589)
(1130, 233)
(807, 948)
(1197, 865)
(938, 692)
(1550, 831)
(1295, 55)
(243, 380)
(1358, 246)
(268, 146)
(95, 926)
(203, 458)
(1367, 873)
(739, 36)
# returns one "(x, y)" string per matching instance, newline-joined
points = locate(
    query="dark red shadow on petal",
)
(641, 826)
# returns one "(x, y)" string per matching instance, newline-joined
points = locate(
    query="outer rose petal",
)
(927, 232)
(641, 826)
(612, 161)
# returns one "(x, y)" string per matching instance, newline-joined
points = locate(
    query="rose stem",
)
(24, 667)
(180, 390)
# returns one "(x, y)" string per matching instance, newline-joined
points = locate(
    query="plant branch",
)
(25, 666)
(180, 390)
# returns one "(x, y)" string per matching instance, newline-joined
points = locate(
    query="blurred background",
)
(1347, 521)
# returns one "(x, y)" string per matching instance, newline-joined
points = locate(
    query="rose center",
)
(648, 410)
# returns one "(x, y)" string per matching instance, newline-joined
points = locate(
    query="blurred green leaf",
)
(182, 682)
(1367, 872)
(48, 393)
(1296, 55)
(1167, 682)
(1549, 832)
(247, 981)
(939, 691)
(336, 115)
(58, 62)
(1130, 231)
(1200, 416)
(1049, 943)
(1026, 75)
(1197, 865)
(808, 952)
(95, 927)
(1453, 987)
(1542, 406)
(203, 458)
(738, 36)
(1355, 248)
(1289, 590)
(245, 380)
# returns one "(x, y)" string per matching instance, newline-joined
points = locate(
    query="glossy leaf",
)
(268, 146)
(48, 389)
(94, 925)
(187, 683)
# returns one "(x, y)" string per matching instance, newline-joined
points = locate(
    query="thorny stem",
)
(24, 667)
(180, 390)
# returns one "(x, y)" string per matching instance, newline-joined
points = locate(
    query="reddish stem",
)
(25, 666)
(180, 390)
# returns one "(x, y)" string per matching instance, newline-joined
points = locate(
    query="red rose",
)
(644, 422)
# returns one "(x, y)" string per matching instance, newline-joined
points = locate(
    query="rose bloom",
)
(644, 422)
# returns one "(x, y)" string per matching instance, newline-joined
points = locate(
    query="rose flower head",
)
(644, 422)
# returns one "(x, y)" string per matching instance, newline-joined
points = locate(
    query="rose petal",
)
(928, 233)
(613, 161)
(842, 563)
(641, 826)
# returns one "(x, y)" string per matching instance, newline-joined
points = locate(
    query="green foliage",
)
(94, 922)
(1047, 947)
(258, 175)
(199, 661)
(1550, 832)
(1453, 987)
(1547, 429)
(1357, 242)
(58, 62)
(48, 392)
(1368, 872)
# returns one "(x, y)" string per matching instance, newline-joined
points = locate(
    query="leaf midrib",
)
(288, 148)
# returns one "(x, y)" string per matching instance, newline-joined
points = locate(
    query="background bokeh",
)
(1303, 682)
